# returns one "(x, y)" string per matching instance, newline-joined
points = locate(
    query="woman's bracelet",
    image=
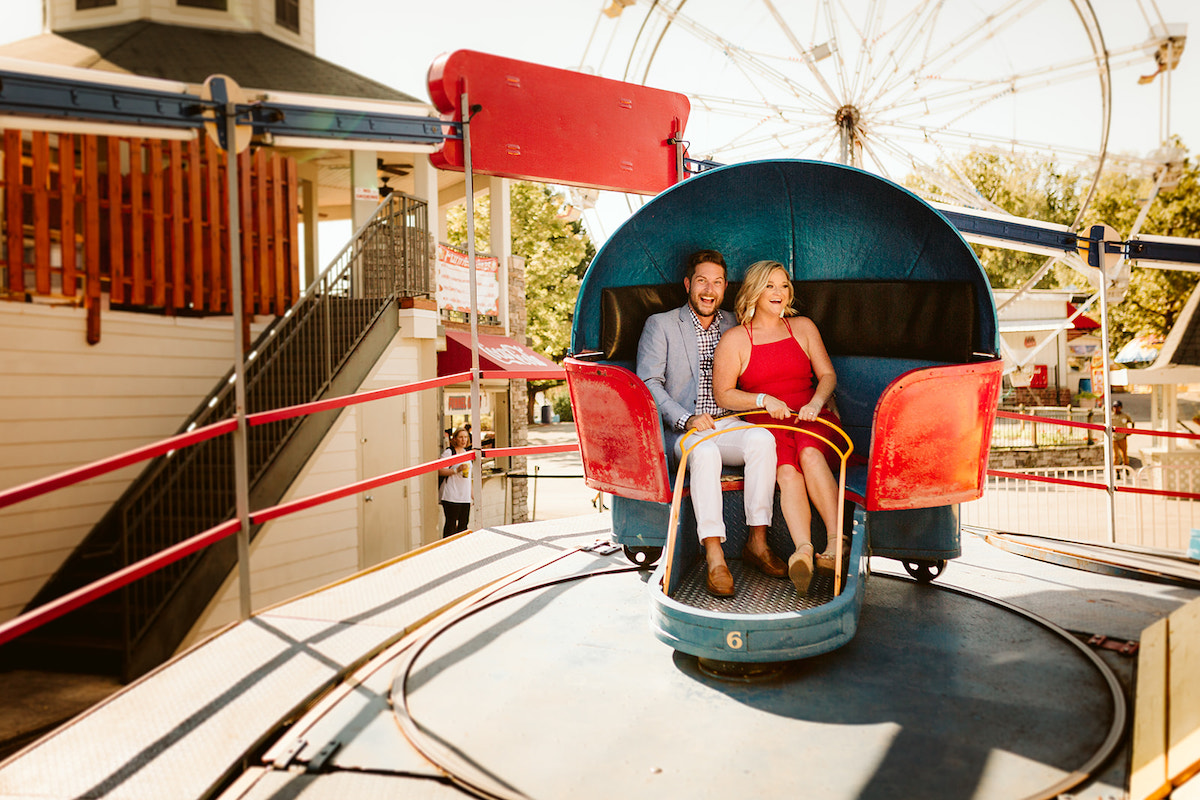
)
(758, 401)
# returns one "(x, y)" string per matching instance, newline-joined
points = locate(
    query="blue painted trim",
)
(764, 637)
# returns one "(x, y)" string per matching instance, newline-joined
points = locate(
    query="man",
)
(1120, 440)
(675, 356)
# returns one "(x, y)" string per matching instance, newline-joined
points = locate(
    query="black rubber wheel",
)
(642, 556)
(925, 571)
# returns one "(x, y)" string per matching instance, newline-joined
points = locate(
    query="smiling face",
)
(776, 296)
(706, 290)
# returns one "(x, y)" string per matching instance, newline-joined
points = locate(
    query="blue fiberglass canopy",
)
(822, 221)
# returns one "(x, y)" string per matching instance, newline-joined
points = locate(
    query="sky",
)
(559, 32)
(395, 41)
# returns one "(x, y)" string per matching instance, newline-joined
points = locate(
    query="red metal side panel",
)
(931, 436)
(620, 437)
(545, 124)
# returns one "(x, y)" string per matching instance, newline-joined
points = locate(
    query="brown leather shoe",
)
(719, 581)
(768, 563)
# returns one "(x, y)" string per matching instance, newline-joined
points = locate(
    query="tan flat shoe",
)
(824, 562)
(800, 568)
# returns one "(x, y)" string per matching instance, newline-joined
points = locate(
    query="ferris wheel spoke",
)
(804, 54)
(976, 92)
(865, 34)
(957, 46)
(739, 56)
(918, 26)
(960, 139)
(795, 139)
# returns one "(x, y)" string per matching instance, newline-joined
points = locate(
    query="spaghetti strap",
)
(749, 332)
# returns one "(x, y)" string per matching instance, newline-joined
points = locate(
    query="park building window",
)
(83, 5)
(216, 5)
(287, 14)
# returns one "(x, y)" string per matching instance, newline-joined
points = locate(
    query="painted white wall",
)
(64, 403)
(307, 550)
(302, 551)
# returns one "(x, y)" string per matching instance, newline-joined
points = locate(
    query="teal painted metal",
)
(741, 636)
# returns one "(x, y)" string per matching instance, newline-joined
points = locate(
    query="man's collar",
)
(716, 320)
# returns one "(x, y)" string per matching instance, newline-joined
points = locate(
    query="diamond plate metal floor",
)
(756, 593)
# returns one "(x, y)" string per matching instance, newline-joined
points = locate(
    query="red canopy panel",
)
(1082, 322)
(495, 353)
(554, 125)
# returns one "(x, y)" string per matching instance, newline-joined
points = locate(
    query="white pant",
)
(753, 448)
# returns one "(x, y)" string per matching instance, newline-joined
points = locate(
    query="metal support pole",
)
(476, 431)
(240, 460)
(533, 512)
(1110, 469)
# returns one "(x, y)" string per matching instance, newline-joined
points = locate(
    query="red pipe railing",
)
(1091, 484)
(78, 474)
(56, 608)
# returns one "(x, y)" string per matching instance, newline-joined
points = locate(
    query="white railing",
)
(1079, 513)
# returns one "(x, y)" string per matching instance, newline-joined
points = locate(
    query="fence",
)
(1155, 506)
(1046, 430)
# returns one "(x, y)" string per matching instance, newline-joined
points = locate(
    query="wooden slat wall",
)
(148, 220)
(1166, 723)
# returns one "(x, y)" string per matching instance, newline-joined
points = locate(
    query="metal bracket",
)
(284, 759)
(1103, 642)
(323, 755)
(601, 547)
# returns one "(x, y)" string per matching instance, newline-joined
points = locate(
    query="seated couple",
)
(701, 365)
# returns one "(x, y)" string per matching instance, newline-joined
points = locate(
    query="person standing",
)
(455, 492)
(675, 357)
(1120, 440)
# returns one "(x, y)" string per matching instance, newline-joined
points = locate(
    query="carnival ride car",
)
(907, 316)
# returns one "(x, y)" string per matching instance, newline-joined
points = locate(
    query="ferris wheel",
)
(904, 90)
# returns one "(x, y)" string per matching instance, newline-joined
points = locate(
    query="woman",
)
(455, 491)
(776, 361)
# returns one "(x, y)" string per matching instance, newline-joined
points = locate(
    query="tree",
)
(557, 252)
(1156, 296)
(1025, 187)
(1039, 189)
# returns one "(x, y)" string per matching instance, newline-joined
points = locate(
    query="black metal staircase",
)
(323, 347)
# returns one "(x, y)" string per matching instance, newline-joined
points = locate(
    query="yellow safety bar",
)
(686, 449)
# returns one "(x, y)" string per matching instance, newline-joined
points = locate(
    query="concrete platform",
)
(564, 691)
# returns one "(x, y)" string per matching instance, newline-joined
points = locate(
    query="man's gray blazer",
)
(668, 360)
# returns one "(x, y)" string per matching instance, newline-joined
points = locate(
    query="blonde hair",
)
(754, 284)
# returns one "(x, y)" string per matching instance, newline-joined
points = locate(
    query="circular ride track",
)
(904, 90)
(557, 690)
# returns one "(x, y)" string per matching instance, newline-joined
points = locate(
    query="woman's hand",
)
(776, 407)
(809, 412)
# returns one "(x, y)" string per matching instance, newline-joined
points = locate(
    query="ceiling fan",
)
(399, 170)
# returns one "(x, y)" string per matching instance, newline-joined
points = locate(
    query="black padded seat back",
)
(928, 320)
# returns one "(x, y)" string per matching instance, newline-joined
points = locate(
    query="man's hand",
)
(700, 422)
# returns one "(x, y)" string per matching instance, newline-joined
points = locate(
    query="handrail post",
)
(240, 467)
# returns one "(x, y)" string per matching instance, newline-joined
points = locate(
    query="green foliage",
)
(562, 406)
(1040, 189)
(556, 253)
